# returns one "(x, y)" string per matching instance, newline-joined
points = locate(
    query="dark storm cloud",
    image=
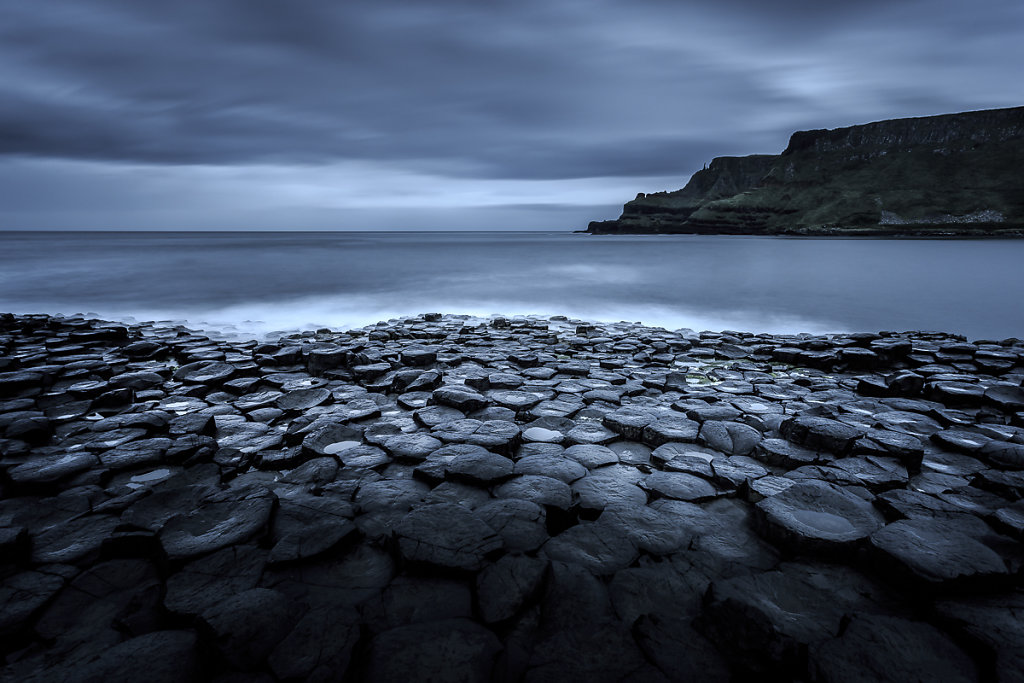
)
(120, 107)
(512, 90)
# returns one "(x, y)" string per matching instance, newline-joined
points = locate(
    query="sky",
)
(448, 114)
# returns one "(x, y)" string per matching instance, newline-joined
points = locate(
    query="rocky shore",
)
(530, 499)
(954, 175)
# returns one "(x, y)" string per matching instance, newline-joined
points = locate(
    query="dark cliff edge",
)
(955, 175)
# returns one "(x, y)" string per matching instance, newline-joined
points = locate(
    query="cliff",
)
(949, 175)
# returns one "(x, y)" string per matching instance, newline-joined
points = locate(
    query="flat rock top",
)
(521, 499)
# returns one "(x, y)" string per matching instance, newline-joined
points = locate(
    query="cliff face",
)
(939, 175)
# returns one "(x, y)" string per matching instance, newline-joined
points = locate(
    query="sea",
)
(260, 284)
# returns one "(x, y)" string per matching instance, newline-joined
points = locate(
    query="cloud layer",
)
(163, 114)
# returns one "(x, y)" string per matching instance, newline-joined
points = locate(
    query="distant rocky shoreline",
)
(532, 499)
(953, 175)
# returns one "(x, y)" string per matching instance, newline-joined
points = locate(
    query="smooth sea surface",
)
(254, 284)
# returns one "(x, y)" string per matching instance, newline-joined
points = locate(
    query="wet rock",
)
(598, 491)
(306, 525)
(599, 549)
(1003, 454)
(591, 456)
(220, 521)
(520, 523)
(48, 469)
(76, 541)
(303, 399)
(480, 467)
(1009, 399)
(680, 486)
(248, 437)
(542, 490)
(732, 438)
(668, 429)
(648, 529)
(446, 535)
(590, 433)
(820, 433)
(331, 439)
(205, 372)
(416, 446)
(938, 551)
(205, 581)
(397, 494)
(459, 397)
(818, 518)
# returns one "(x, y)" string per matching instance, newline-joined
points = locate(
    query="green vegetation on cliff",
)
(950, 175)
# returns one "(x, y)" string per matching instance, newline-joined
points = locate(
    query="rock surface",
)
(523, 499)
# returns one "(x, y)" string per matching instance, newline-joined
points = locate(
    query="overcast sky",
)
(427, 114)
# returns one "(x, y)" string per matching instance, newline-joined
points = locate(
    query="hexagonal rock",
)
(22, 595)
(539, 489)
(628, 421)
(504, 586)
(591, 433)
(459, 397)
(996, 623)
(648, 529)
(1004, 454)
(50, 468)
(679, 486)
(821, 433)
(520, 523)
(732, 438)
(542, 435)
(886, 648)
(816, 517)
(939, 551)
(519, 401)
(591, 455)
(416, 446)
(480, 467)
(598, 491)
(600, 549)
(248, 437)
(247, 626)
(220, 521)
(306, 525)
(205, 372)
(668, 429)
(1009, 399)
(206, 580)
(764, 622)
(446, 535)
(443, 651)
(319, 648)
(555, 466)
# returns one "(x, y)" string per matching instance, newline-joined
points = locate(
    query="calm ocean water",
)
(256, 283)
